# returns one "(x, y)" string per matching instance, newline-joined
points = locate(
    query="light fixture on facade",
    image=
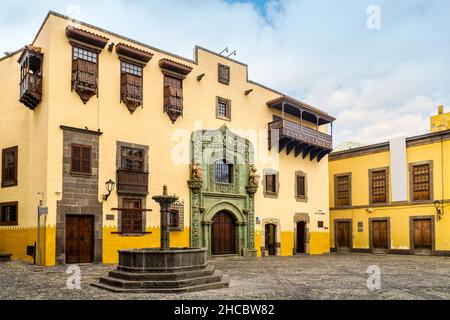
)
(109, 188)
(438, 206)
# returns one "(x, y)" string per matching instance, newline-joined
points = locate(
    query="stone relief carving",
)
(254, 177)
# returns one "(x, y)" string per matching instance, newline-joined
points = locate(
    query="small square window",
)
(223, 109)
(9, 214)
(320, 224)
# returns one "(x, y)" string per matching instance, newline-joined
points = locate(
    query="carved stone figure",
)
(253, 180)
(197, 172)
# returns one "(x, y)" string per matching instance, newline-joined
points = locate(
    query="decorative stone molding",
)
(224, 74)
(209, 197)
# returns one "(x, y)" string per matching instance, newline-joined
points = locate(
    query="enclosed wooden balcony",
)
(31, 90)
(132, 182)
(31, 76)
(298, 137)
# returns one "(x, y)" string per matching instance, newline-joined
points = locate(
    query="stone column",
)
(251, 190)
(207, 235)
(164, 202)
(195, 187)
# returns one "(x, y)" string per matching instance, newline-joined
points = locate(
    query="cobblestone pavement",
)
(301, 277)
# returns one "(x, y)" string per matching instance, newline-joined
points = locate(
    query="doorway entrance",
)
(301, 237)
(79, 239)
(270, 234)
(343, 235)
(380, 236)
(422, 236)
(223, 234)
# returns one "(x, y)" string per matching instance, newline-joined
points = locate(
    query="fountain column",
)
(164, 202)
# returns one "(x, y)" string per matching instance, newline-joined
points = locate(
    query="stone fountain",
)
(164, 269)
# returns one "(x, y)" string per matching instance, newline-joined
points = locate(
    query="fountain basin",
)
(157, 260)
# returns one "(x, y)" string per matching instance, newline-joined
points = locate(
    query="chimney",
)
(440, 109)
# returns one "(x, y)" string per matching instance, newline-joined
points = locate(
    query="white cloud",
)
(378, 84)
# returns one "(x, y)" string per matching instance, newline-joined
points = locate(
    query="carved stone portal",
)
(209, 197)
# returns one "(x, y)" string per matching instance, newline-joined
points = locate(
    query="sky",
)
(380, 82)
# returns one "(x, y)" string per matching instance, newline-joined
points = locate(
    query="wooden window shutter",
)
(81, 159)
(86, 160)
(301, 191)
(379, 186)
(9, 167)
(421, 182)
(343, 189)
(76, 159)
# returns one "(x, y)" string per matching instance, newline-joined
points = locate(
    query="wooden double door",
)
(343, 234)
(422, 234)
(79, 239)
(223, 234)
(380, 234)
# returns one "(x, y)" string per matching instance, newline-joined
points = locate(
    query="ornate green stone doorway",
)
(223, 179)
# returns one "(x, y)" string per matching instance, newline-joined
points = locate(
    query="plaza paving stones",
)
(327, 277)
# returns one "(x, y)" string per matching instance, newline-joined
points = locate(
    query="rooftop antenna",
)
(224, 50)
(233, 53)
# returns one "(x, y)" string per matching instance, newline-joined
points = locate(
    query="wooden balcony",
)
(31, 90)
(132, 182)
(299, 139)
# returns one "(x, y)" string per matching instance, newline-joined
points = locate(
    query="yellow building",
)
(99, 123)
(393, 196)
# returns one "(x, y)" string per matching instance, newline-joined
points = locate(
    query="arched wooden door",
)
(223, 234)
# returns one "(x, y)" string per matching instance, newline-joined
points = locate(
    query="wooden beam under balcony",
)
(300, 139)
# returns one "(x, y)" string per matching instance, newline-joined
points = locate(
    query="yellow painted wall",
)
(399, 215)
(147, 126)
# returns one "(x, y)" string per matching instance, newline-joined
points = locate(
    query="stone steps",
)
(196, 284)
(137, 284)
(166, 276)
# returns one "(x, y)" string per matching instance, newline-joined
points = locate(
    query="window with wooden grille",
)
(84, 72)
(421, 182)
(271, 183)
(174, 219)
(300, 186)
(173, 97)
(131, 92)
(9, 167)
(223, 109)
(379, 186)
(132, 221)
(343, 190)
(132, 159)
(81, 159)
(224, 172)
(9, 214)
(176, 211)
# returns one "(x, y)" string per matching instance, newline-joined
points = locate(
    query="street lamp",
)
(109, 188)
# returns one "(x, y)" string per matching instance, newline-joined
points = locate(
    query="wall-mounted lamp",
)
(111, 46)
(438, 207)
(109, 188)
(247, 92)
